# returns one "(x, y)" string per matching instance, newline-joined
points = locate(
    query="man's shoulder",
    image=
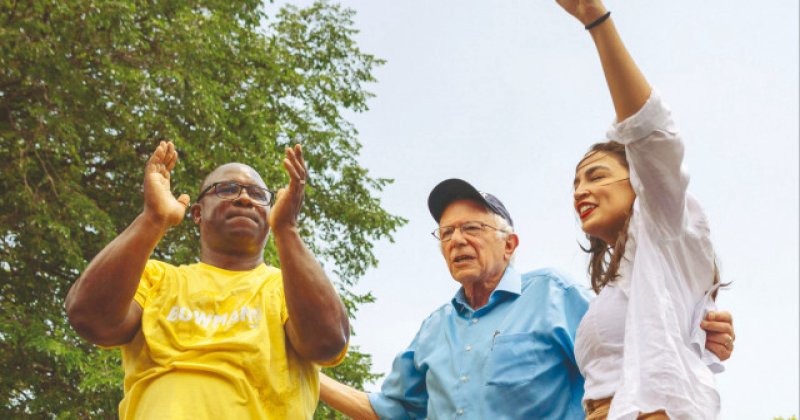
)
(551, 278)
(437, 316)
(161, 269)
(153, 264)
(158, 263)
(157, 269)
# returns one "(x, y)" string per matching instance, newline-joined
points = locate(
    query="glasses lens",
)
(445, 233)
(228, 190)
(258, 194)
(472, 228)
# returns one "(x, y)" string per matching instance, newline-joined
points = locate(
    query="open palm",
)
(289, 200)
(158, 199)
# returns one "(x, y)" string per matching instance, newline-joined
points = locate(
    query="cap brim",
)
(451, 190)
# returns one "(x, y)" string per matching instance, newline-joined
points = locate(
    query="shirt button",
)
(474, 320)
(464, 378)
(460, 411)
(469, 348)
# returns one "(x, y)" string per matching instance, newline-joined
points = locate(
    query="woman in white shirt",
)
(639, 346)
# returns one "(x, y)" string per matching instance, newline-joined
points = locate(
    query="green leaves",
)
(88, 88)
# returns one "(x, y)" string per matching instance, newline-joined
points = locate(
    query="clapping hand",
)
(159, 203)
(289, 200)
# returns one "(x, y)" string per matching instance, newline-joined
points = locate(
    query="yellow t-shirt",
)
(212, 346)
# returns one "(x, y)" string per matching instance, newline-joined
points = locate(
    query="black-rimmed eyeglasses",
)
(232, 190)
(445, 233)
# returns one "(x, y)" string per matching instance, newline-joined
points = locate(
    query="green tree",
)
(88, 87)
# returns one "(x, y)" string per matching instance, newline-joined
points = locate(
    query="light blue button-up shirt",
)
(511, 359)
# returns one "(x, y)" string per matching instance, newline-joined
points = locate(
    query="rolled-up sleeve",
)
(655, 155)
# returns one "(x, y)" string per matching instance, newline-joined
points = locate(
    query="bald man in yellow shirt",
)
(229, 336)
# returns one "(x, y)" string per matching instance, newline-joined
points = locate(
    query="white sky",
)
(509, 94)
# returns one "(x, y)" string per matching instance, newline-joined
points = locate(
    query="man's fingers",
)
(296, 175)
(715, 348)
(298, 151)
(294, 156)
(158, 155)
(171, 156)
(159, 160)
(720, 316)
(718, 327)
(184, 199)
(290, 169)
(719, 350)
(719, 338)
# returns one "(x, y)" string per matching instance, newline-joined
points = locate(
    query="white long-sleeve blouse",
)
(640, 340)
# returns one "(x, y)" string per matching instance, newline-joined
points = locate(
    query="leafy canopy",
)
(87, 88)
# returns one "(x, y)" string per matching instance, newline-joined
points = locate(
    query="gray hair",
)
(503, 230)
(503, 227)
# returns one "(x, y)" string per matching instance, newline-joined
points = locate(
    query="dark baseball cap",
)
(457, 189)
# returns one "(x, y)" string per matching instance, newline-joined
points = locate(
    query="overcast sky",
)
(509, 94)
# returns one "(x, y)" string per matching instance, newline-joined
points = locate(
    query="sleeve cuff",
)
(386, 408)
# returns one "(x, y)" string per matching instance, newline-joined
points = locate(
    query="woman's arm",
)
(628, 86)
(652, 143)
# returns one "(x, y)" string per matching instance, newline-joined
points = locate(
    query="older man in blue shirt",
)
(503, 360)
(502, 348)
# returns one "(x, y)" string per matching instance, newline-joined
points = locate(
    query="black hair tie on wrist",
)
(599, 20)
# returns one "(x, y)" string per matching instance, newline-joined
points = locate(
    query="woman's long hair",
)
(604, 260)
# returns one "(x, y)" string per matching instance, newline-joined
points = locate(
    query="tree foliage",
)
(88, 87)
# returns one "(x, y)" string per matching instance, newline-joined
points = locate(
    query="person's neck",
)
(232, 262)
(478, 293)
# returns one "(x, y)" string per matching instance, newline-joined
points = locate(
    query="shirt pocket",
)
(515, 359)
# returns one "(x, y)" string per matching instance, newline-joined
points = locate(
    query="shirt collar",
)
(509, 287)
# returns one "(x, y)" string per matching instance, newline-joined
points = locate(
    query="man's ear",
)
(196, 210)
(512, 242)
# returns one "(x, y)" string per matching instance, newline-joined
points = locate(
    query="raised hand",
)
(317, 327)
(159, 203)
(289, 200)
(586, 11)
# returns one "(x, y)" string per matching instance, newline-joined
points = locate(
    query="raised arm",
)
(317, 328)
(100, 304)
(652, 142)
(629, 89)
(345, 399)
